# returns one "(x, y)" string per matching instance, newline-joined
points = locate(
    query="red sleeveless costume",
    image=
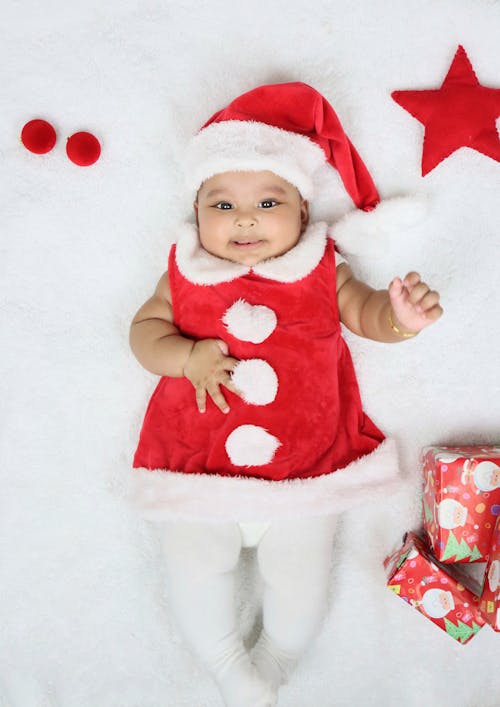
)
(299, 442)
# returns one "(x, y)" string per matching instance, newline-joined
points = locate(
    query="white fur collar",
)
(203, 268)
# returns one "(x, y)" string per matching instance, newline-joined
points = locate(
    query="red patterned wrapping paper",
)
(461, 500)
(443, 594)
(490, 597)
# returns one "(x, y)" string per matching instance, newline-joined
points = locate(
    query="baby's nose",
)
(245, 220)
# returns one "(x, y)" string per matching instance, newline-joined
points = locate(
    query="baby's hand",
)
(207, 367)
(414, 305)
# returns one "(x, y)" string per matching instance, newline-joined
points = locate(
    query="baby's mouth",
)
(247, 244)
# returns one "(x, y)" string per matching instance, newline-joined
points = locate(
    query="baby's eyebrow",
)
(269, 188)
(214, 192)
(274, 188)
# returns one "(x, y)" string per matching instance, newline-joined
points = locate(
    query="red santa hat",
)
(292, 130)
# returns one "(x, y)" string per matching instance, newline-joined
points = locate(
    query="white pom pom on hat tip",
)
(359, 233)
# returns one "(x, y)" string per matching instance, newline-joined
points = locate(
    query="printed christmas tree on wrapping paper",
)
(428, 513)
(461, 632)
(460, 550)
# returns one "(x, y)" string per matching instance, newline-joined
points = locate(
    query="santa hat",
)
(292, 130)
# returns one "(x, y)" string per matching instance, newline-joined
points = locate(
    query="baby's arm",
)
(159, 346)
(386, 315)
(154, 338)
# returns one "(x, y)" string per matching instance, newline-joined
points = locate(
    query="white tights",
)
(294, 558)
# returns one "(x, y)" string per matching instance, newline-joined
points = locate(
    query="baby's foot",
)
(246, 690)
(273, 664)
(241, 685)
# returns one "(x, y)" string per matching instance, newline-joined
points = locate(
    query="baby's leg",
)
(201, 560)
(294, 558)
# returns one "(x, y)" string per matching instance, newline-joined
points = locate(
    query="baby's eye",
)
(267, 203)
(223, 205)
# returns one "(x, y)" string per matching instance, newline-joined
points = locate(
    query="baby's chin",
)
(248, 260)
(249, 254)
(244, 256)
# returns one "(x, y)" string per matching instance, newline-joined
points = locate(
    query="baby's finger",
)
(428, 301)
(229, 363)
(397, 289)
(228, 383)
(411, 279)
(434, 313)
(223, 346)
(216, 395)
(201, 399)
(418, 292)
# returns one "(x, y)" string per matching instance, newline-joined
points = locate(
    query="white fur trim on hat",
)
(250, 322)
(160, 495)
(238, 145)
(256, 380)
(373, 233)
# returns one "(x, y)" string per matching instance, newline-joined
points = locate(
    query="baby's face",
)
(247, 217)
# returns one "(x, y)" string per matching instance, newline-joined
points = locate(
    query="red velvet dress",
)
(303, 416)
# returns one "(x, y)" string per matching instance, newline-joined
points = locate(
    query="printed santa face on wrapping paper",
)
(451, 514)
(490, 597)
(487, 476)
(461, 500)
(494, 575)
(437, 603)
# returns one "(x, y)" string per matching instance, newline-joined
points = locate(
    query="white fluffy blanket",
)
(84, 609)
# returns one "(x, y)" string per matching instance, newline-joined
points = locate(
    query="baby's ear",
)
(304, 212)
(195, 207)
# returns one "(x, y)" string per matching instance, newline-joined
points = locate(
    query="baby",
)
(255, 435)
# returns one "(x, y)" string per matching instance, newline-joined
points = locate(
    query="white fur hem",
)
(162, 495)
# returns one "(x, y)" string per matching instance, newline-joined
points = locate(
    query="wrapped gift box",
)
(461, 501)
(444, 594)
(490, 597)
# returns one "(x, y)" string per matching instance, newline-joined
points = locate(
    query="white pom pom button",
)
(250, 322)
(256, 380)
(249, 445)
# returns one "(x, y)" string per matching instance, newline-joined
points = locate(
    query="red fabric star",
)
(461, 113)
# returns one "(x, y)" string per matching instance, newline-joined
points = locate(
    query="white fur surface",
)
(84, 608)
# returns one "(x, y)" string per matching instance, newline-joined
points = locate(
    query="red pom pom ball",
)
(83, 149)
(38, 136)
